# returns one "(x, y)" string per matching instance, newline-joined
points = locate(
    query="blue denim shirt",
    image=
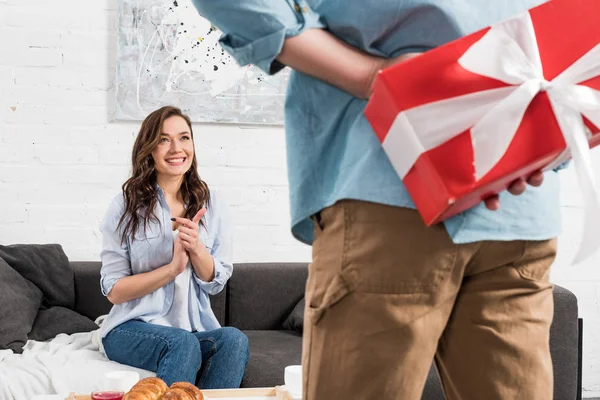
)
(332, 151)
(146, 252)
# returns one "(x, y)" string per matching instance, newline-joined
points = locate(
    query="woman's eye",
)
(185, 137)
(164, 140)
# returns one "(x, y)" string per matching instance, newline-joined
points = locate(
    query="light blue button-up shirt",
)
(147, 251)
(332, 151)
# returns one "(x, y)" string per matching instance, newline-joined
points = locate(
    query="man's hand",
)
(380, 64)
(516, 188)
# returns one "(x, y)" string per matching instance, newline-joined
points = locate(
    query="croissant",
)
(193, 392)
(151, 388)
(156, 389)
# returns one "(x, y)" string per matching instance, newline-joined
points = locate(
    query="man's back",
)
(332, 151)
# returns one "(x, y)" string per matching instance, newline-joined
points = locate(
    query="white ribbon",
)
(508, 52)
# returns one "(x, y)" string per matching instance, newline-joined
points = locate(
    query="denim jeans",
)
(210, 360)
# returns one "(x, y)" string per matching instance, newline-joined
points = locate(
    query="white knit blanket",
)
(67, 363)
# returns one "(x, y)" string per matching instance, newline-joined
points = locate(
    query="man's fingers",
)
(536, 179)
(517, 187)
(492, 203)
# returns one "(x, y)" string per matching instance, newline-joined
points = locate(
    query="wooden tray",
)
(276, 393)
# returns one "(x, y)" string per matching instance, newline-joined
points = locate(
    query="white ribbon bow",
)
(509, 52)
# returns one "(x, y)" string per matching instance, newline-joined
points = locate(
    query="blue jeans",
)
(210, 360)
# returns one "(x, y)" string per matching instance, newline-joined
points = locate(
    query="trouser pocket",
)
(537, 259)
(326, 285)
(333, 293)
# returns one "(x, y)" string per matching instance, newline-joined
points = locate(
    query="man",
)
(386, 294)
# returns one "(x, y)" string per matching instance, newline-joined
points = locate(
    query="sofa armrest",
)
(564, 344)
(89, 300)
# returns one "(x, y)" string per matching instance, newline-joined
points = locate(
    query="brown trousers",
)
(386, 295)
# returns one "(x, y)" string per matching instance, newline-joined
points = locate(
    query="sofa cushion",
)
(261, 296)
(19, 304)
(55, 320)
(295, 321)
(270, 353)
(46, 266)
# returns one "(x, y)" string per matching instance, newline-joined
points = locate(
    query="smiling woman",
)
(167, 245)
(163, 155)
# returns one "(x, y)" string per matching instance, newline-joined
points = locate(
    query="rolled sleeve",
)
(114, 255)
(222, 274)
(221, 224)
(254, 30)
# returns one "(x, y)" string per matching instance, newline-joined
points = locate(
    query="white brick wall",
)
(61, 160)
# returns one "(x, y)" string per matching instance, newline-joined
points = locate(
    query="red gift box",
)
(415, 105)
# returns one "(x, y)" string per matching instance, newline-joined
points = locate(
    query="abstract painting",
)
(169, 55)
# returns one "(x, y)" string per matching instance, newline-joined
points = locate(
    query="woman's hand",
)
(202, 260)
(188, 232)
(180, 258)
(516, 188)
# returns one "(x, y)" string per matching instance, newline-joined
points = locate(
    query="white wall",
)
(61, 160)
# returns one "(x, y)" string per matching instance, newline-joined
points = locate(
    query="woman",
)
(167, 246)
(385, 294)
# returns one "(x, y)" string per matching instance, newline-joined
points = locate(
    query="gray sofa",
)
(260, 296)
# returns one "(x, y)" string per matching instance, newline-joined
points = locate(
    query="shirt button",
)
(297, 7)
(305, 9)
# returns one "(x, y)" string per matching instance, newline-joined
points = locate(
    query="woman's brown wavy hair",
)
(140, 190)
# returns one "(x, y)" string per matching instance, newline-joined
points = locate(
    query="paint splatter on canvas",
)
(168, 54)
